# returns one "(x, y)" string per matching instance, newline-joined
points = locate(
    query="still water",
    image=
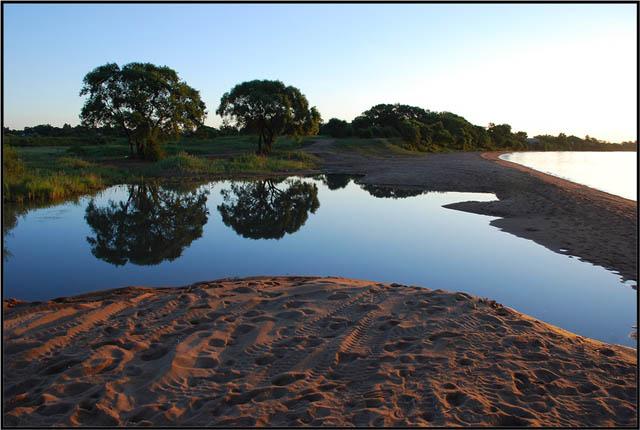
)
(154, 236)
(613, 172)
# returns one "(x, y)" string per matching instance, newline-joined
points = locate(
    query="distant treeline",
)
(48, 135)
(563, 142)
(413, 127)
(424, 130)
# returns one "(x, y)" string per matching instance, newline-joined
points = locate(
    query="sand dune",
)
(303, 351)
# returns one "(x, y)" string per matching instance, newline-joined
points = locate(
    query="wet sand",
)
(294, 351)
(592, 225)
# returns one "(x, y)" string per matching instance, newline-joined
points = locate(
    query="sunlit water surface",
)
(613, 172)
(146, 235)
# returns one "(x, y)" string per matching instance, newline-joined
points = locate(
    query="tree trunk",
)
(139, 149)
(268, 142)
(130, 147)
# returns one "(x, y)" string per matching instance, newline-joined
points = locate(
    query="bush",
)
(410, 133)
(336, 128)
(11, 164)
(365, 133)
(181, 163)
(153, 151)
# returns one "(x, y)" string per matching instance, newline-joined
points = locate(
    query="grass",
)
(50, 173)
(184, 164)
(35, 188)
(230, 145)
(36, 141)
(377, 147)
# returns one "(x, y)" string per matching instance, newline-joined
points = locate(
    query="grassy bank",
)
(50, 173)
(385, 147)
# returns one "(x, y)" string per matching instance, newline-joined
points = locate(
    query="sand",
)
(563, 216)
(295, 351)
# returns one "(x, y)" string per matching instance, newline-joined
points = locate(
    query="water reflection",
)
(10, 216)
(154, 224)
(268, 209)
(390, 192)
(336, 181)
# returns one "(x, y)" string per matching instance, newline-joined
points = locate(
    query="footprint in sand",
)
(287, 378)
(154, 353)
(207, 362)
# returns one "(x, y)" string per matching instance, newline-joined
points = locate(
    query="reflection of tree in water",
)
(390, 192)
(263, 210)
(10, 215)
(153, 225)
(336, 181)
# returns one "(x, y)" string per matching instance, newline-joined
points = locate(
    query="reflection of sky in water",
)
(613, 172)
(412, 240)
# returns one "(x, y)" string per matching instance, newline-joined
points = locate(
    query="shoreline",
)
(592, 225)
(564, 183)
(304, 351)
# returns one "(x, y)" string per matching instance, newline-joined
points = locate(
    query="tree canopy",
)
(148, 102)
(269, 109)
(264, 210)
(336, 128)
(153, 225)
(424, 130)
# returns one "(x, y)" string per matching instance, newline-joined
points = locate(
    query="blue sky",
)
(541, 68)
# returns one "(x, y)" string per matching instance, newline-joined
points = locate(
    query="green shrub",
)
(153, 151)
(12, 165)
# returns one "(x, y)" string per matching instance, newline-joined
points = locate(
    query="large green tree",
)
(149, 103)
(269, 109)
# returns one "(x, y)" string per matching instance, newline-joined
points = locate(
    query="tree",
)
(336, 128)
(153, 225)
(269, 109)
(148, 102)
(261, 210)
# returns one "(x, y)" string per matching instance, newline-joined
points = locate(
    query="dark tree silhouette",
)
(149, 103)
(262, 210)
(269, 109)
(153, 225)
(389, 192)
(336, 181)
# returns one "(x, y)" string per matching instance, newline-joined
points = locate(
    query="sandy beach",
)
(592, 225)
(294, 351)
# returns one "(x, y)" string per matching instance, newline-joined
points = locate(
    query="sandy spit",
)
(592, 225)
(295, 351)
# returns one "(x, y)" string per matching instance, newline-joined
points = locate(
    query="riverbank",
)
(46, 174)
(293, 351)
(563, 216)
